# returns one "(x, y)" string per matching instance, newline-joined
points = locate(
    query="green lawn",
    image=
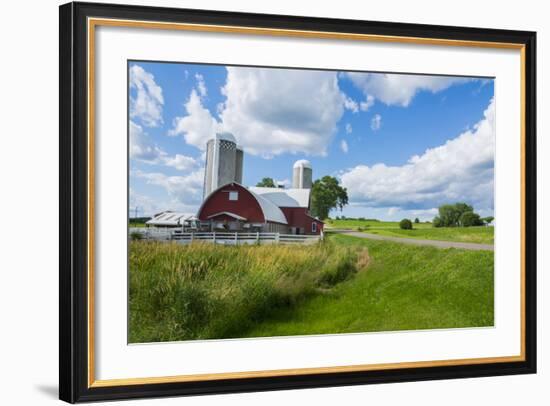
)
(480, 235)
(403, 288)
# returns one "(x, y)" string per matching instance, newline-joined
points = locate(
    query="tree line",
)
(459, 215)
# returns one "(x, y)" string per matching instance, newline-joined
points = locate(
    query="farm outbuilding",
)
(172, 219)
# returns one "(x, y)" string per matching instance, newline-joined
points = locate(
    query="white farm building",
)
(172, 219)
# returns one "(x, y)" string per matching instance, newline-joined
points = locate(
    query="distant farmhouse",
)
(229, 206)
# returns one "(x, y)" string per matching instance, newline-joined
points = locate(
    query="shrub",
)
(437, 222)
(135, 235)
(417, 220)
(405, 224)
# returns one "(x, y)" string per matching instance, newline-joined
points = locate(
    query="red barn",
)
(234, 207)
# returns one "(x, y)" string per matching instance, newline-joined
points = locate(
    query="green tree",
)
(417, 220)
(488, 220)
(449, 214)
(469, 219)
(406, 224)
(266, 182)
(327, 194)
(436, 222)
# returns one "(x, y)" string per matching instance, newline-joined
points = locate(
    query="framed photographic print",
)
(257, 202)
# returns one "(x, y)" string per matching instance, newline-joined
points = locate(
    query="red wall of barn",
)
(246, 206)
(298, 217)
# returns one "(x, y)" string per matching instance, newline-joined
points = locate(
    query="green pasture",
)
(343, 285)
(480, 235)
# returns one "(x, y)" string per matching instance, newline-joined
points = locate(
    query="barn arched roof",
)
(270, 210)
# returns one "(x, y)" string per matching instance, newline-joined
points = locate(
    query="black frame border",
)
(73, 202)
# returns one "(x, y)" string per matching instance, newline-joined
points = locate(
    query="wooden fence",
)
(229, 238)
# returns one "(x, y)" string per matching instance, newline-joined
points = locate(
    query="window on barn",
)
(313, 227)
(233, 195)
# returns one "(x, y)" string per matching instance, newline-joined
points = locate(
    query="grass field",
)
(404, 288)
(343, 285)
(202, 290)
(480, 235)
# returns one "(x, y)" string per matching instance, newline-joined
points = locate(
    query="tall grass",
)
(200, 291)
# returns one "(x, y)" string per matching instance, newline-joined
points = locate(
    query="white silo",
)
(224, 162)
(239, 157)
(302, 175)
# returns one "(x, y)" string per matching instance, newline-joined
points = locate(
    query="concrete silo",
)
(239, 156)
(224, 162)
(302, 175)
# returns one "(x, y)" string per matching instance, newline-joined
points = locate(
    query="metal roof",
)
(170, 218)
(225, 136)
(271, 211)
(302, 163)
(284, 197)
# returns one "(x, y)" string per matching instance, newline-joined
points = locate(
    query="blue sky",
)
(401, 144)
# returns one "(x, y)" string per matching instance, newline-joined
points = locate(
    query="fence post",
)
(277, 238)
(192, 234)
(257, 237)
(214, 236)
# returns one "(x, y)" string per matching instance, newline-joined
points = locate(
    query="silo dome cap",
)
(302, 163)
(226, 137)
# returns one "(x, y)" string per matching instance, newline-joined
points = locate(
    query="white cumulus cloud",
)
(143, 149)
(398, 89)
(351, 104)
(367, 104)
(141, 146)
(270, 111)
(147, 103)
(344, 146)
(376, 122)
(180, 162)
(184, 190)
(201, 86)
(462, 169)
(198, 126)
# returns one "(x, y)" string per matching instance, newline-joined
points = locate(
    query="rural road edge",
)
(433, 243)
